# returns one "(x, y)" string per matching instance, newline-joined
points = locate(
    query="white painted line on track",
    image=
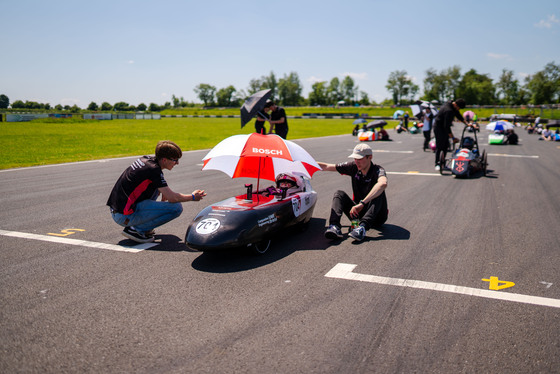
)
(81, 243)
(345, 271)
(388, 151)
(516, 156)
(414, 173)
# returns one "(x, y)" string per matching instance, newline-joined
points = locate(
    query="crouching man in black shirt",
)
(133, 198)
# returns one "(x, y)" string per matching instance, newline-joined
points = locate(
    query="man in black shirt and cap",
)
(278, 119)
(368, 204)
(442, 126)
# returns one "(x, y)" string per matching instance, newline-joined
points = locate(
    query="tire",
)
(261, 247)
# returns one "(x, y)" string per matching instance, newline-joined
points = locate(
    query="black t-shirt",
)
(139, 182)
(444, 119)
(362, 184)
(278, 114)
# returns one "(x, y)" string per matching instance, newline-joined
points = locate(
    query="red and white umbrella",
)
(259, 156)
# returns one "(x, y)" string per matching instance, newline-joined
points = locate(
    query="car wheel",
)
(261, 247)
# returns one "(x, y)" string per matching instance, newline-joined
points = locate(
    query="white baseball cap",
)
(361, 150)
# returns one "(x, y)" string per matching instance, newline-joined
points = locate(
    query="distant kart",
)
(251, 220)
(466, 160)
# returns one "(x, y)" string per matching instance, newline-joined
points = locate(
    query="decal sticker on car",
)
(267, 220)
(208, 226)
(296, 205)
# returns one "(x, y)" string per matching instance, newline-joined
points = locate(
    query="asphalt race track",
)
(463, 277)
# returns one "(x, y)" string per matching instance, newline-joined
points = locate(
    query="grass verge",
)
(53, 141)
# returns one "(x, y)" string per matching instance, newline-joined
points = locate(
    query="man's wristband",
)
(362, 202)
(193, 199)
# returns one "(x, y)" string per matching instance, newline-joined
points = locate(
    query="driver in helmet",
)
(468, 143)
(287, 181)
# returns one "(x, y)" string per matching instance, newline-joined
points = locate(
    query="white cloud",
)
(498, 56)
(359, 76)
(314, 79)
(548, 22)
(130, 62)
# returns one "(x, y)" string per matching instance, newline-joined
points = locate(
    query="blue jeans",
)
(149, 214)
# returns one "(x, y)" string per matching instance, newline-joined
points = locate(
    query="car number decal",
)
(207, 226)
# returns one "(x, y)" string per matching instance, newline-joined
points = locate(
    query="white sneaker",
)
(437, 167)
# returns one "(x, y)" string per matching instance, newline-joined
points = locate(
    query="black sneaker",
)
(333, 232)
(139, 237)
(359, 233)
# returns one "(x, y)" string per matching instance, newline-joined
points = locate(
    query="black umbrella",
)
(553, 123)
(254, 105)
(421, 105)
(359, 121)
(376, 123)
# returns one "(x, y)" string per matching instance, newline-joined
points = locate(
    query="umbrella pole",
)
(258, 178)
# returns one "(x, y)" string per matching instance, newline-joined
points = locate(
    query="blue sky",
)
(75, 52)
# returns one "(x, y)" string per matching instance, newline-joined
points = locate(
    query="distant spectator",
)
(278, 119)
(511, 137)
(382, 134)
(547, 135)
(427, 117)
(405, 120)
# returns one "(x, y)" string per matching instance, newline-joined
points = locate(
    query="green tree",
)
(142, 107)
(476, 89)
(349, 90)
(226, 96)
(205, 93)
(433, 85)
(289, 90)
(121, 106)
(58, 107)
(4, 102)
(106, 107)
(93, 106)
(508, 90)
(334, 91)
(319, 94)
(364, 98)
(153, 107)
(400, 85)
(75, 109)
(176, 102)
(441, 86)
(544, 86)
(18, 104)
(264, 83)
(452, 78)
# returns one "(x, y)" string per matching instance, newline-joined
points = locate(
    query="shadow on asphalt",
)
(386, 232)
(242, 259)
(166, 243)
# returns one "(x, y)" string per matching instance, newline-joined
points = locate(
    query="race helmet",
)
(294, 182)
(468, 143)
